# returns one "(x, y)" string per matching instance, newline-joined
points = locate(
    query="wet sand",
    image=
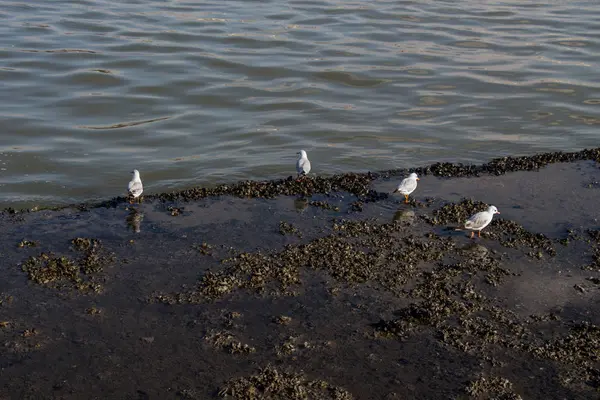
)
(356, 295)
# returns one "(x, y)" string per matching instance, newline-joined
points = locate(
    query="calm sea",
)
(200, 92)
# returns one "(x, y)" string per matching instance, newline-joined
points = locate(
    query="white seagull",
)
(480, 220)
(302, 165)
(407, 186)
(135, 187)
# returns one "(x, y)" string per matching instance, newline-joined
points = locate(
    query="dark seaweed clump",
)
(447, 294)
(225, 341)
(288, 229)
(15, 339)
(357, 252)
(391, 259)
(282, 320)
(595, 264)
(446, 283)
(452, 310)
(324, 205)
(175, 211)
(27, 243)
(514, 235)
(94, 257)
(357, 184)
(83, 244)
(61, 272)
(455, 213)
(580, 349)
(492, 388)
(271, 384)
(502, 165)
(204, 248)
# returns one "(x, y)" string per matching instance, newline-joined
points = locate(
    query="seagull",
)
(407, 186)
(302, 165)
(135, 188)
(480, 220)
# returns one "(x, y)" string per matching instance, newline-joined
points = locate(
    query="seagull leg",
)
(478, 233)
(405, 199)
(472, 234)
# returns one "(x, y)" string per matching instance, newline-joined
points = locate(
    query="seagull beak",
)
(497, 212)
(418, 179)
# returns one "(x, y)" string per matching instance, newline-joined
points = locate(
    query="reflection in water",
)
(476, 249)
(134, 220)
(301, 203)
(406, 216)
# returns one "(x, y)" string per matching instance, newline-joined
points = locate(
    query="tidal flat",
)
(319, 288)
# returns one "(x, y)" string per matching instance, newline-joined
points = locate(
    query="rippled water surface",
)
(199, 92)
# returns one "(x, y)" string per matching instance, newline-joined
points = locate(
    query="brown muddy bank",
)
(346, 293)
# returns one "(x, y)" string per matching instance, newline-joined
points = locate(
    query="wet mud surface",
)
(330, 288)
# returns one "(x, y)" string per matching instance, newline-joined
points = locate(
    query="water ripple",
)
(230, 90)
(126, 124)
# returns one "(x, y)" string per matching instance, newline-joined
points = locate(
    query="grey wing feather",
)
(135, 188)
(303, 166)
(407, 186)
(478, 221)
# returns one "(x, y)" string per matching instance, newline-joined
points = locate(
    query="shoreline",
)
(354, 183)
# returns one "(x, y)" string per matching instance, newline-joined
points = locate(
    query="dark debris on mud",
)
(391, 260)
(62, 272)
(272, 384)
(492, 388)
(595, 241)
(500, 166)
(358, 252)
(21, 341)
(324, 205)
(204, 248)
(26, 243)
(286, 228)
(225, 341)
(454, 311)
(448, 298)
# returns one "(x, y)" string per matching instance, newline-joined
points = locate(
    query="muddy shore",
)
(324, 288)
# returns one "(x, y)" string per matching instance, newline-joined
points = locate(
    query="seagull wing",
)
(407, 186)
(135, 188)
(479, 220)
(303, 166)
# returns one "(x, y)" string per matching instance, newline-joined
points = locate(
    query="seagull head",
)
(493, 210)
